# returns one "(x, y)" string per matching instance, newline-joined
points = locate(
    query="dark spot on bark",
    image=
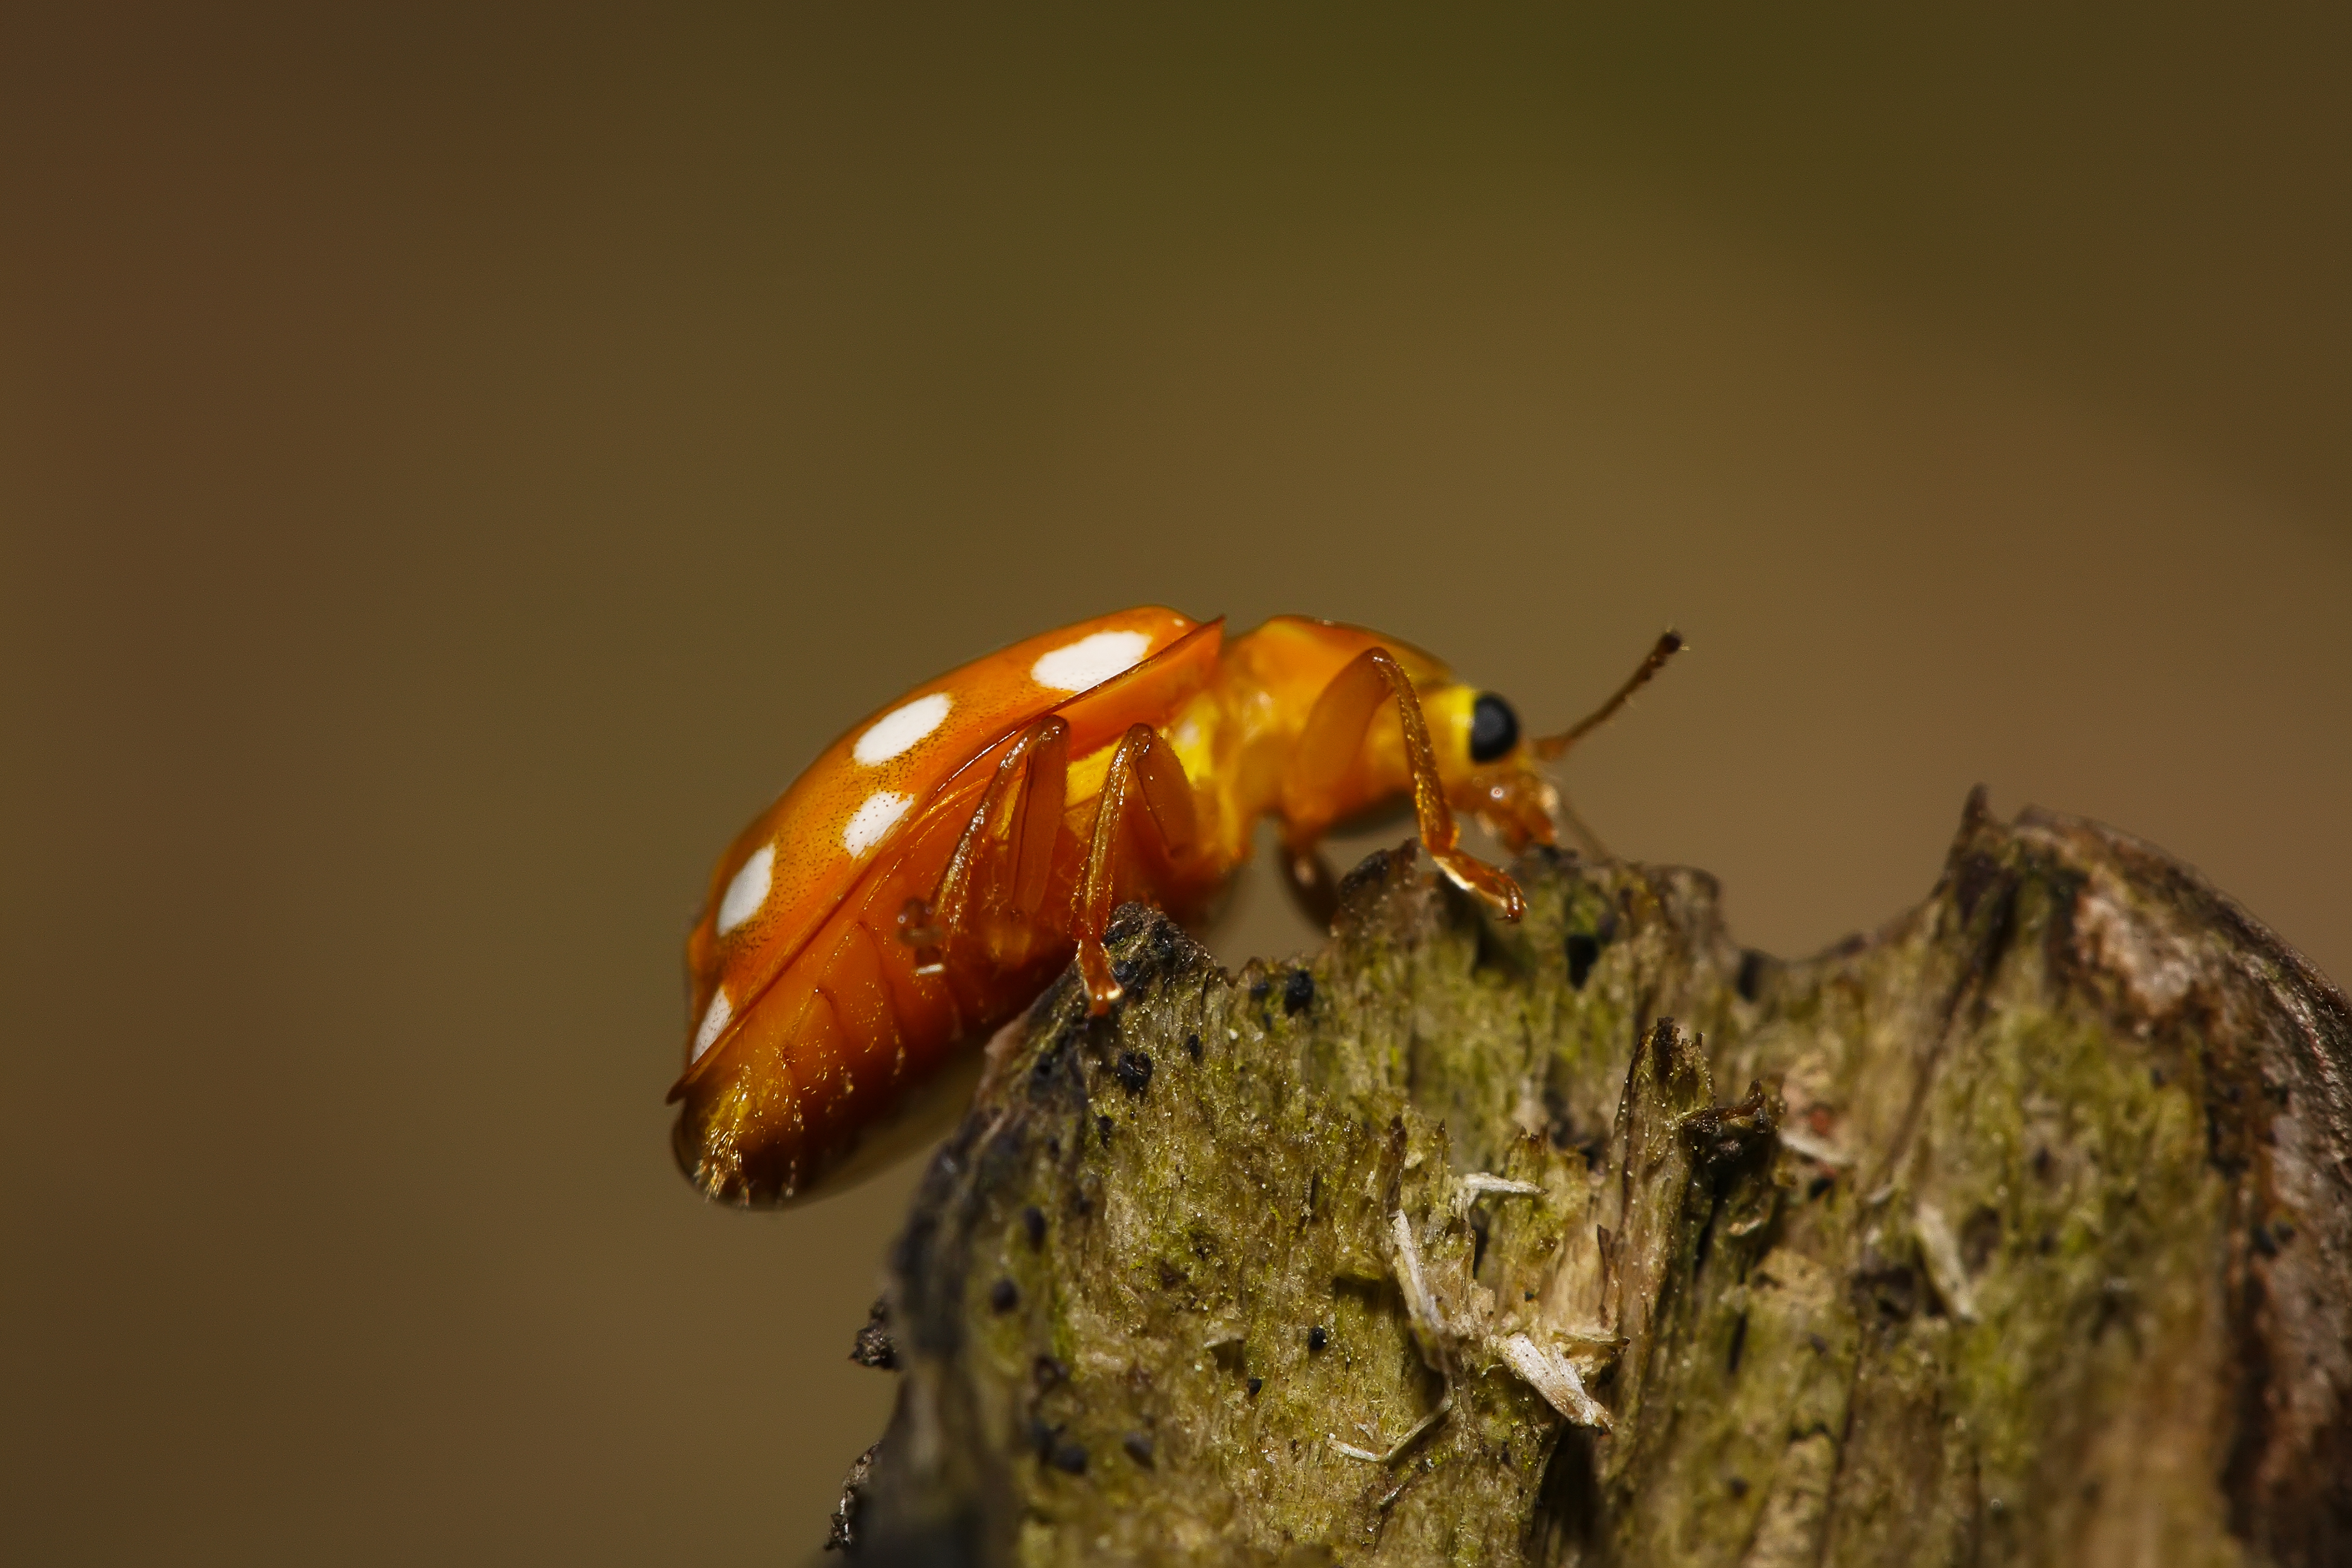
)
(1070, 1459)
(1103, 1124)
(1583, 952)
(2255, 1416)
(2114, 1305)
(1261, 988)
(874, 1348)
(1134, 1071)
(1254, 1385)
(1819, 1185)
(1979, 1236)
(2282, 1231)
(1170, 1275)
(1298, 992)
(1726, 1137)
(1041, 1435)
(1561, 1130)
(1738, 1344)
(1052, 1147)
(2001, 930)
(2156, 1078)
(2224, 1142)
(1481, 1223)
(1193, 1047)
(1003, 1296)
(1738, 1485)
(1048, 1371)
(1139, 1448)
(1820, 1346)
(2065, 896)
(1569, 1508)
(2042, 1162)
(1492, 955)
(1033, 1221)
(1893, 1291)
(1317, 1339)
(2264, 1242)
(1977, 873)
(1752, 968)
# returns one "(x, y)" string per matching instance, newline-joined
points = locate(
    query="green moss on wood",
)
(1986, 1267)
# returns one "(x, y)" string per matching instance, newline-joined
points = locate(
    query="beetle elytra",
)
(932, 871)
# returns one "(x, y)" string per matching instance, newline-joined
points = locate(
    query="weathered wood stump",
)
(1473, 1243)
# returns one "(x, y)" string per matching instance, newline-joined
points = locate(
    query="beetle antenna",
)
(1668, 645)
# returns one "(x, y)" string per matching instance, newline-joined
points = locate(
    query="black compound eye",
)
(1493, 728)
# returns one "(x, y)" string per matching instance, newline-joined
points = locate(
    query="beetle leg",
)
(1143, 766)
(1327, 747)
(1026, 840)
(1036, 824)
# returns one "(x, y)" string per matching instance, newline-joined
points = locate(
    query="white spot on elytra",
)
(1089, 661)
(749, 890)
(900, 728)
(714, 1021)
(870, 821)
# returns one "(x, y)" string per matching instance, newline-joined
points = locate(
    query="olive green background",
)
(455, 466)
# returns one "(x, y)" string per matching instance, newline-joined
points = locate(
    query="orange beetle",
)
(928, 875)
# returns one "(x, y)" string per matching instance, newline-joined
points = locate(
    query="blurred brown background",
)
(455, 468)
